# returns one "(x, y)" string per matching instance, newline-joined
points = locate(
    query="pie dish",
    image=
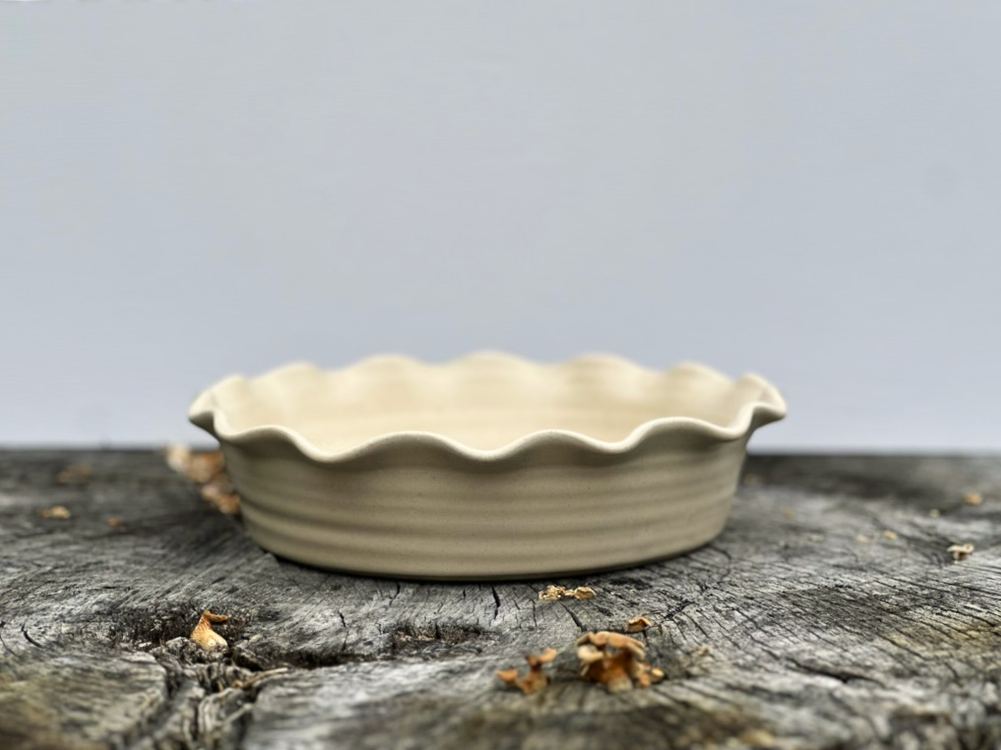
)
(487, 467)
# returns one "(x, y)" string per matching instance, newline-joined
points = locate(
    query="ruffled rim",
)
(768, 407)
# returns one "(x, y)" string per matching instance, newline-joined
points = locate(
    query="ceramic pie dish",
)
(487, 467)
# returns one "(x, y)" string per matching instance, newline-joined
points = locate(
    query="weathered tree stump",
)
(816, 637)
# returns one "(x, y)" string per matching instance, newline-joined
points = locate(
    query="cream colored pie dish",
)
(486, 467)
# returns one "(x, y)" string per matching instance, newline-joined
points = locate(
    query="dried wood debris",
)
(973, 498)
(222, 495)
(553, 593)
(198, 467)
(204, 467)
(611, 659)
(615, 661)
(205, 636)
(56, 511)
(534, 679)
(208, 470)
(178, 458)
(74, 473)
(960, 551)
(887, 534)
(758, 738)
(637, 624)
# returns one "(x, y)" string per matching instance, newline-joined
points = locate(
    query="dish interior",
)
(480, 405)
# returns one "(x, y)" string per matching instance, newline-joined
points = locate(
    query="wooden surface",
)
(817, 639)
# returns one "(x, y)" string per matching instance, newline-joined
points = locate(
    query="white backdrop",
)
(808, 190)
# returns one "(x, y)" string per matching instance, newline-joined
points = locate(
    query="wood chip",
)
(758, 738)
(637, 624)
(74, 473)
(891, 535)
(534, 679)
(205, 636)
(203, 467)
(973, 498)
(960, 551)
(219, 494)
(554, 593)
(198, 467)
(56, 511)
(178, 458)
(508, 676)
(207, 469)
(615, 661)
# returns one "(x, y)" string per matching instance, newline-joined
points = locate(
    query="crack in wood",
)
(28, 638)
(497, 603)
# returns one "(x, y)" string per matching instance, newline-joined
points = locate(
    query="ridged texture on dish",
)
(487, 467)
(433, 519)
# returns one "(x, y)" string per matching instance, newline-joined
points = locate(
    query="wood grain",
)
(817, 640)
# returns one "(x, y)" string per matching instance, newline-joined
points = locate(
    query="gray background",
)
(807, 190)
